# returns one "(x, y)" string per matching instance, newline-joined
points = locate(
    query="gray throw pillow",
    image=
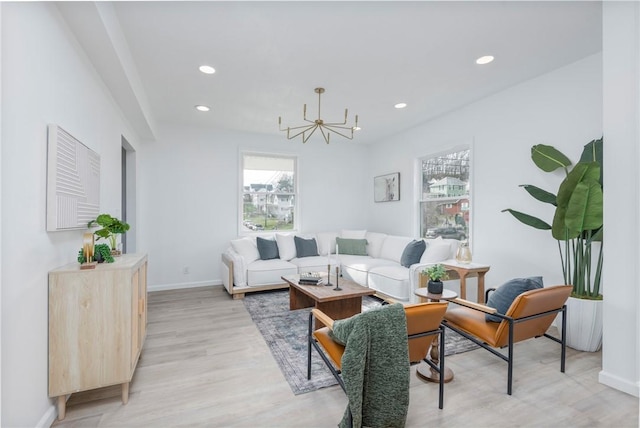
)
(305, 247)
(268, 248)
(504, 295)
(355, 247)
(412, 252)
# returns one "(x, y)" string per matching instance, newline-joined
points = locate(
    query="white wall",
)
(45, 79)
(564, 109)
(189, 190)
(621, 121)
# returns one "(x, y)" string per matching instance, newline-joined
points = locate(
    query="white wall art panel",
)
(73, 182)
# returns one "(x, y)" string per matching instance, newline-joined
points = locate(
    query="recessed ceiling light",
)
(207, 69)
(202, 108)
(400, 105)
(484, 60)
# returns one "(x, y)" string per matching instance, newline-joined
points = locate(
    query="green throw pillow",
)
(354, 247)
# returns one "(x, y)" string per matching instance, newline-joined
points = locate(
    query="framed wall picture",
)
(73, 181)
(386, 188)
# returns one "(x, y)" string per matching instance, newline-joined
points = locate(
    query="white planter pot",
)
(584, 324)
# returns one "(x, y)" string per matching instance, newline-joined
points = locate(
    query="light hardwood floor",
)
(205, 364)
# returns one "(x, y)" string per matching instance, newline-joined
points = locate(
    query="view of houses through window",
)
(444, 201)
(268, 192)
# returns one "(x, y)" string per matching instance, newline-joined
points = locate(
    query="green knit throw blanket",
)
(375, 366)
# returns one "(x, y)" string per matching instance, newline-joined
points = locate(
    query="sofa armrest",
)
(238, 265)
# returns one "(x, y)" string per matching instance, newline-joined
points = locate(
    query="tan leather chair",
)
(423, 325)
(529, 316)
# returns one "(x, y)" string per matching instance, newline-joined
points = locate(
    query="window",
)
(268, 192)
(444, 201)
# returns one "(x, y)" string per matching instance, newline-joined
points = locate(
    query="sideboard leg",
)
(125, 393)
(62, 407)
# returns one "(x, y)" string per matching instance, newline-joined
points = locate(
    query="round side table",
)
(424, 371)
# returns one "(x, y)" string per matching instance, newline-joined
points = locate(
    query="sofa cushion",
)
(393, 247)
(436, 252)
(263, 272)
(353, 234)
(356, 268)
(354, 247)
(504, 295)
(305, 247)
(268, 248)
(326, 242)
(412, 252)
(392, 280)
(314, 263)
(286, 246)
(247, 248)
(374, 243)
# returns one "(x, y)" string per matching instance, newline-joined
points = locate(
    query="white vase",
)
(584, 324)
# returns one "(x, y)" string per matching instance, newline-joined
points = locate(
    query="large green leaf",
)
(559, 229)
(540, 194)
(584, 211)
(580, 172)
(529, 220)
(548, 158)
(592, 152)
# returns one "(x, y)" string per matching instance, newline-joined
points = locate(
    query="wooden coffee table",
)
(338, 304)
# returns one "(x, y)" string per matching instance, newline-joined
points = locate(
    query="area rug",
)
(285, 332)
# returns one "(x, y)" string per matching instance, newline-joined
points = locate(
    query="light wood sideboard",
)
(97, 326)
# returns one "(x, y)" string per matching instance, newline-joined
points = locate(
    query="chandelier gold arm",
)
(325, 127)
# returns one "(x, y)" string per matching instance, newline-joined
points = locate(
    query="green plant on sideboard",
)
(577, 221)
(101, 253)
(111, 227)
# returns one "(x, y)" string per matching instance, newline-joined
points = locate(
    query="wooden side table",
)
(468, 270)
(424, 371)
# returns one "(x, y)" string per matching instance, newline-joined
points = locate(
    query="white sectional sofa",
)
(244, 271)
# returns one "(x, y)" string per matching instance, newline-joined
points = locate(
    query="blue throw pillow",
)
(267, 248)
(305, 247)
(412, 252)
(504, 295)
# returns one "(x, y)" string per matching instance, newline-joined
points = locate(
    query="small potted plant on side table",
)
(436, 274)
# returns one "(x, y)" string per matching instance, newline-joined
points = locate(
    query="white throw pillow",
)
(286, 246)
(436, 252)
(247, 248)
(375, 242)
(353, 234)
(326, 241)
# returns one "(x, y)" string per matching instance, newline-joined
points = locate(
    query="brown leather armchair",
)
(529, 316)
(423, 325)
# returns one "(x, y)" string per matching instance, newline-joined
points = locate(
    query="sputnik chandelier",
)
(325, 127)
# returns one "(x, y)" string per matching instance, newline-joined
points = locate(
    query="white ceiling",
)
(269, 57)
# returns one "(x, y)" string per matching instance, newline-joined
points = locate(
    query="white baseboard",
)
(618, 383)
(48, 418)
(176, 286)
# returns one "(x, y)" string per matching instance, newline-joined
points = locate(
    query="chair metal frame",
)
(512, 322)
(312, 342)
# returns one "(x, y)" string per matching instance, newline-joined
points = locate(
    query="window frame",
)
(242, 231)
(419, 188)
